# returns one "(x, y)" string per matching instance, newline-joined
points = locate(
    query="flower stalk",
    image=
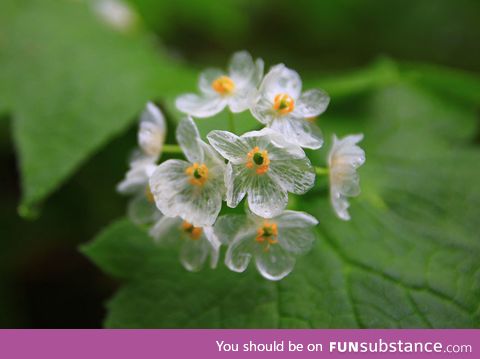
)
(172, 149)
(321, 171)
(231, 122)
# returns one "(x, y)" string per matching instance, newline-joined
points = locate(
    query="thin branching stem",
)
(172, 149)
(321, 171)
(231, 121)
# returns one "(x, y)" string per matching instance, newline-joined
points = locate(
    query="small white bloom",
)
(115, 13)
(151, 137)
(282, 106)
(192, 190)
(343, 160)
(265, 166)
(273, 243)
(197, 243)
(152, 131)
(235, 89)
(141, 168)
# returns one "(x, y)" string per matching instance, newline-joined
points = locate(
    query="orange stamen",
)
(149, 194)
(193, 232)
(267, 235)
(198, 174)
(259, 160)
(283, 103)
(224, 85)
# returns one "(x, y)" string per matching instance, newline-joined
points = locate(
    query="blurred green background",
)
(66, 73)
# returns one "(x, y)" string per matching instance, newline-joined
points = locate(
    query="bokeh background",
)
(44, 280)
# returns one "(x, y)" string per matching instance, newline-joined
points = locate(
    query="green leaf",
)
(71, 84)
(408, 258)
(160, 293)
(451, 82)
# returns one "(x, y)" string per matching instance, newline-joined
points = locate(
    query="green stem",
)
(231, 121)
(172, 149)
(321, 171)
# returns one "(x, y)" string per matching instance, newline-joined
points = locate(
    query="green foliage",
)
(408, 258)
(71, 83)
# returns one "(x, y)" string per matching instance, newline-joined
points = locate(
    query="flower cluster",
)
(182, 200)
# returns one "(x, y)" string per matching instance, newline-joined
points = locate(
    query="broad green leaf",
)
(71, 83)
(452, 82)
(408, 258)
(160, 293)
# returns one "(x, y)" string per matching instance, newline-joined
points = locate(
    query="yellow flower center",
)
(267, 235)
(224, 85)
(149, 194)
(198, 174)
(283, 103)
(191, 231)
(258, 160)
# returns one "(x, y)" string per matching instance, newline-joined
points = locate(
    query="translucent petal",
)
(345, 180)
(238, 180)
(340, 205)
(212, 157)
(295, 219)
(295, 231)
(312, 103)
(206, 79)
(277, 146)
(142, 211)
(201, 106)
(188, 138)
(281, 80)
(297, 240)
(152, 131)
(298, 131)
(274, 264)
(228, 226)
(259, 69)
(346, 152)
(194, 253)
(265, 197)
(229, 145)
(262, 110)
(141, 167)
(293, 175)
(166, 230)
(215, 244)
(344, 158)
(242, 99)
(240, 251)
(241, 68)
(176, 196)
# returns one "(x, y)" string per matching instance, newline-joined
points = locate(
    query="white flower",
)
(151, 137)
(141, 168)
(235, 89)
(115, 13)
(281, 106)
(152, 131)
(141, 208)
(192, 190)
(265, 166)
(273, 243)
(343, 160)
(197, 243)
